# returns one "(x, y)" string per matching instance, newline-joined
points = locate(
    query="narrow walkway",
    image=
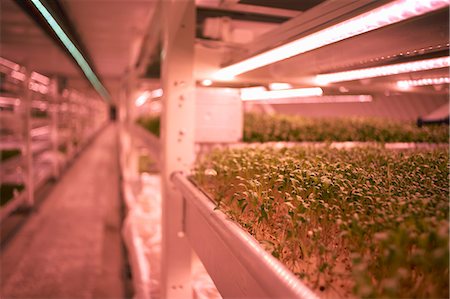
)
(71, 246)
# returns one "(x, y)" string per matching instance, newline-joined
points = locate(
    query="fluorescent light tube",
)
(9, 64)
(40, 78)
(279, 86)
(405, 84)
(323, 99)
(157, 93)
(260, 94)
(18, 75)
(84, 65)
(386, 70)
(207, 82)
(388, 14)
(142, 98)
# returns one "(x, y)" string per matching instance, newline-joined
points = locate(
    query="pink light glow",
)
(279, 86)
(9, 64)
(405, 84)
(157, 93)
(146, 95)
(207, 82)
(390, 13)
(40, 78)
(387, 70)
(18, 75)
(259, 94)
(142, 98)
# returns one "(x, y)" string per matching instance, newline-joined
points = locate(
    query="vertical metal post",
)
(27, 144)
(130, 158)
(177, 140)
(54, 109)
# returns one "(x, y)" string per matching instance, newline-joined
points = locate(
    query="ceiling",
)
(117, 36)
(23, 42)
(99, 24)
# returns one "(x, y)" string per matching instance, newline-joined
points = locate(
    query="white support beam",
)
(27, 152)
(53, 110)
(177, 140)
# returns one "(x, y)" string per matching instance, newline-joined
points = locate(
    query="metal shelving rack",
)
(43, 127)
(238, 265)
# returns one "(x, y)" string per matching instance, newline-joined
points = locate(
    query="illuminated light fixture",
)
(253, 94)
(45, 130)
(9, 101)
(405, 84)
(279, 86)
(343, 89)
(142, 98)
(388, 14)
(9, 64)
(386, 70)
(323, 99)
(40, 78)
(157, 93)
(76, 54)
(41, 105)
(41, 88)
(207, 82)
(18, 75)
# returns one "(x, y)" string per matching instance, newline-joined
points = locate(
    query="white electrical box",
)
(219, 116)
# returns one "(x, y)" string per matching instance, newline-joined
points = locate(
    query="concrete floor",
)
(70, 247)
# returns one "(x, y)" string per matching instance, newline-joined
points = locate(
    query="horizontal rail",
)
(237, 263)
(341, 145)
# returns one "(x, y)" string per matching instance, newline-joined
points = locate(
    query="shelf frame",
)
(237, 263)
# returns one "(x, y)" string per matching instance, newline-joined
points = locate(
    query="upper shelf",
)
(421, 37)
(417, 38)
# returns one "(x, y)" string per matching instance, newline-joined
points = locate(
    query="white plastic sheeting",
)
(142, 234)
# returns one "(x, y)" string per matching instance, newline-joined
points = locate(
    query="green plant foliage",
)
(151, 123)
(366, 222)
(147, 164)
(7, 192)
(263, 127)
(7, 154)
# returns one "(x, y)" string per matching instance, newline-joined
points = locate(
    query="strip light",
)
(40, 78)
(388, 14)
(157, 93)
(45, 130)
(387, 70)
(323, 99)
(9, 64)
(207, 82)
(84, 65)
(18, 75)
(279, 86)
(7, 101)
(143, 98)
(405, 84)
(260, 94)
